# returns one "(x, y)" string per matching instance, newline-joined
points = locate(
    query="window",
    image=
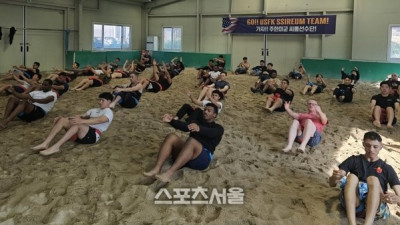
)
(394, 43)
(172, 38)
(108, 37)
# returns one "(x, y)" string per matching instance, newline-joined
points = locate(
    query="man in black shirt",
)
(384, 106)
(257, 70)
(281, 95)
(344, 92)
(394, 83)
(196, 152)
(364, 180)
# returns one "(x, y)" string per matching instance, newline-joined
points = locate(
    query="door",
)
(10, 54)
(45, 38)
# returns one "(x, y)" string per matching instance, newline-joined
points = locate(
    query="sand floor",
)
(103, 183)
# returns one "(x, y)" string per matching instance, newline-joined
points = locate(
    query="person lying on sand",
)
(196, 152)
(83, 129)
(307, 127)
(363, 182)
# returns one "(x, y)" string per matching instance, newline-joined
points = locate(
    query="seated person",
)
(128, 96)
(29, 106)
(209, 67)
(344, 92)
(271, 70)
(100, 78)
(281, 95)
(364, 182)
(196, 152)
(25, 83)
(354, 75)
(270, 85)
(307, 127)
(83, 129)
(243, 67)
(20, 71)
(221, 85)
(159, 81)
(258, 70)
(314, 87)
(384, 106)
(299, 73)
(204, 78)
(214, 74)
(394, 83)
(196, 113)
(220, 63)
(115, 64)
(259, 84)
(175, 68)
(60, 85)
(70, 74)
(146, 57)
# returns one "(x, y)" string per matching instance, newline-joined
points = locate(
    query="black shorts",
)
(128, 100)
(19, 89)
(35, 114)
(154, 87)
(96, 83)
(90, 137)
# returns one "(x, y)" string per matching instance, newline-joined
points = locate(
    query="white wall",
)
(371, 24)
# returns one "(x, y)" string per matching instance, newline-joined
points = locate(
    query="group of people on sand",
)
(363, 179)
(33, 99)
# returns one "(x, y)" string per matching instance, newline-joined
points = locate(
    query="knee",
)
(352, 180)
(171, 137)
(373, 181)
(295, 122)
(309, 123)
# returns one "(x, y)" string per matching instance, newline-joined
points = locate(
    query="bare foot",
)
(286, 149)
(49, 151)
(267, 109)
(301, 150)
(389, 127)
(376, 123)
(163, 177)
(151, 173)
(40, 147)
